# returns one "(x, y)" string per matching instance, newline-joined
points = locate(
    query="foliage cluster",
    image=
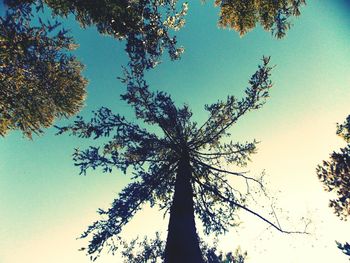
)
(335, 174)
(273, 15)
(152, 251)
(144, 24)
(39, 80)
(345, 248)
(155, 159)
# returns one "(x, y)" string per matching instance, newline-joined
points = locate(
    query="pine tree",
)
(182, 171)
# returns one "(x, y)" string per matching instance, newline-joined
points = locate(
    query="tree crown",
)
(335, 174)
(154, 158)
(39, 79)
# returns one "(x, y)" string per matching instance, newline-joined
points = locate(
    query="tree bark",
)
(182, 244)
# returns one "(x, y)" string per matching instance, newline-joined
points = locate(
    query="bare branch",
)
(277, 227)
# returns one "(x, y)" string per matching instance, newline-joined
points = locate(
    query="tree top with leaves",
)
(335, 174)
(273, 15)
(39, 80)
(146, 25)
(182, 171)
(31, 55)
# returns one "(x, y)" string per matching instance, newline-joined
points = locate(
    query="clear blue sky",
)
(45, 204)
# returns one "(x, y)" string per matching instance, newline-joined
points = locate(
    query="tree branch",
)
(228, 172)
(217, 193)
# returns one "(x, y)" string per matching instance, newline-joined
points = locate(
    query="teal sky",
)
(45, 204)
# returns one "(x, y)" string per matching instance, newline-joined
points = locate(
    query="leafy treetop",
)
(39, 80)
(155, 159)
(144, 24)
(273, 15)
(335, 174)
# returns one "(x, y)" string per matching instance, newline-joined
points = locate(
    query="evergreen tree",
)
(182, 171)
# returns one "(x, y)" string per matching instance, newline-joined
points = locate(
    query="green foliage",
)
(343, 130)
(244, 15)
(152, 251)
(144, 24)
(39, 80)
(154, 158)
(335, 174)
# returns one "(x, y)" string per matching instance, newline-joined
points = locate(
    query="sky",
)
(45, 204)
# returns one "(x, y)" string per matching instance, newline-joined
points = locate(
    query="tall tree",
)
(244, 15)
(335, 176)
(182, 171)
(39, 80)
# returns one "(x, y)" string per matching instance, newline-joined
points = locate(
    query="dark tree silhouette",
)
(335, 176)
(182, 171)
(244, 15)
(39, 80)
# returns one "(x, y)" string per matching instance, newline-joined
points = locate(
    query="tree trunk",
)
(182, 244)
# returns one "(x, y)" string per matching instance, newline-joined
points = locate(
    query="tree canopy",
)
(335, 174)
(39, 80)
(244, 15)
(146, 25)
(182, 171)
(34, 59)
